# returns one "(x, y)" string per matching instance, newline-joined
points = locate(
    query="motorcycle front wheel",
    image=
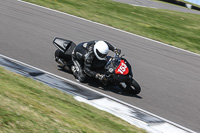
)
(134, 87)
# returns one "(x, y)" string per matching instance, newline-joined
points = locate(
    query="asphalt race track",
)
(169, 77)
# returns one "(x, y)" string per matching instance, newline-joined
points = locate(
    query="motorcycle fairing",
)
(122, 69)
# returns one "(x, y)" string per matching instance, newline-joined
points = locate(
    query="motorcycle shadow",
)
(95, 83)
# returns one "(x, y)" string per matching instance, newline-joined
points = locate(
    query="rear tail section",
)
(65, 46)
(63, 55)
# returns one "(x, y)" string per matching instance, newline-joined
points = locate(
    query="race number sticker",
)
(122, 68)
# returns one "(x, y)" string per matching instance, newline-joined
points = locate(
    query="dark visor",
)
(100, 54)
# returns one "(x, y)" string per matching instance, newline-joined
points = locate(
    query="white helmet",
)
(101, 50)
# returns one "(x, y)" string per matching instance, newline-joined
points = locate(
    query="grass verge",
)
(174, 28)
(29, 106)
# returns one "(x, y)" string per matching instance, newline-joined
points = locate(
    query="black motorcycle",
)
(117, 70)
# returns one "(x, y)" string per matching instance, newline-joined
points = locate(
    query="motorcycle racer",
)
(89, 55)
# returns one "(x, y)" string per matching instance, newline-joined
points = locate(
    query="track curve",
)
(169, 77)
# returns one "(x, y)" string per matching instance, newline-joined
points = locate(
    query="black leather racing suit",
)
(85, 60)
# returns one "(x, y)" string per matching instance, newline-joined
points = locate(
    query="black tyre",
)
(58, 58)
(64, 57)
(59, 54)
(134, 87)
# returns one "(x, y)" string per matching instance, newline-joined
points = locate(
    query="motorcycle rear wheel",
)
(134, 87)
(59, 59)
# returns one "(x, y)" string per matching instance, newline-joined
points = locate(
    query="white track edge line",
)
(76, 83)
(109, 27)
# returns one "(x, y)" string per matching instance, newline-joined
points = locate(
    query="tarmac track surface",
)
(169, 77)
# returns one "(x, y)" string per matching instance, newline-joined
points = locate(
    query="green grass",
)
(174, 28)
(29, 106)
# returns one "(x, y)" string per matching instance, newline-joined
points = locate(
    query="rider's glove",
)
(117, 51)
(100, 76)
